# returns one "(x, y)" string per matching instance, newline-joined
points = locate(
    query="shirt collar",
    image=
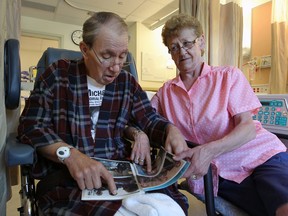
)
(205, 70)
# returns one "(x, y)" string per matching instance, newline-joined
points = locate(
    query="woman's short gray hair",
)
(179, 22)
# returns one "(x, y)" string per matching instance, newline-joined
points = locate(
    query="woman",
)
(213, 106)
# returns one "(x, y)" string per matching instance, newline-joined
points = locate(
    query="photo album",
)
(131, 178)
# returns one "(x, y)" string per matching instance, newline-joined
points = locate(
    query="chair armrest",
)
(17, 153)
(209, 193)
(208, 187)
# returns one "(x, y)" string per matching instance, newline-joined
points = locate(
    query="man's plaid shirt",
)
(58, 110)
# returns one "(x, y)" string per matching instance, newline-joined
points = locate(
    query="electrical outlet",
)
(265, 61)
(260, 89)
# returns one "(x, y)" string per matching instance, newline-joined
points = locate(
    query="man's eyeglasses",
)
(186, 45)
(111, 61)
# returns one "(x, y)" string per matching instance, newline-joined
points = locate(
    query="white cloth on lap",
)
(151, 204)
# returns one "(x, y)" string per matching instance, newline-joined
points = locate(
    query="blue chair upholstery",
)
(17, 154)
(12, 73)
(51, 55)
(132, 66)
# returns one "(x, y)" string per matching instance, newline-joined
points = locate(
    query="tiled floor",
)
(14, 202)
(196, 207)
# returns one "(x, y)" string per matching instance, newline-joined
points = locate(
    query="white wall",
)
(49, 28)
(150, 54)
(154, 63)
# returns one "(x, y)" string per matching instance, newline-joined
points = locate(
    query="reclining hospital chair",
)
(19, 154)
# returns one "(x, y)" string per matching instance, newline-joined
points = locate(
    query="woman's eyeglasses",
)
(186, 45)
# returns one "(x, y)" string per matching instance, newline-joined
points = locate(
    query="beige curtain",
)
(200, 10)
(223, 28)
(279, 52)
(231, 34)
(10, 28)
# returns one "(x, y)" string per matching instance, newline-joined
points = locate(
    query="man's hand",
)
(88, 172)
(175, 141)
(141, 152)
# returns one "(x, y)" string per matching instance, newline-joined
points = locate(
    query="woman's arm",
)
(202, 155)
(243, 132)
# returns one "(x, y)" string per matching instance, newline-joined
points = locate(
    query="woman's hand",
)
(200, 159)
(175, 142)
(202, 155)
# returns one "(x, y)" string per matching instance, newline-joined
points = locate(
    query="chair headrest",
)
(51, 55)
(12, 73)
